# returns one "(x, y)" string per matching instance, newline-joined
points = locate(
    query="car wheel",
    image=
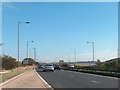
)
(44, 70)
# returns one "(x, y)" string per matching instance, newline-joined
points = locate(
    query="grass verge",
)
(12, 73)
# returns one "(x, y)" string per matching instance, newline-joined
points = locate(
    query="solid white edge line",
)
(43, 80)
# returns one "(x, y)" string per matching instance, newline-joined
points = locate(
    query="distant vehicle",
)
(48, 67)
(71, 66)
(40, 68)
(57, 67)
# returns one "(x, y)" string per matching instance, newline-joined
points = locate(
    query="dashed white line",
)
(95, 82)
(71, 76)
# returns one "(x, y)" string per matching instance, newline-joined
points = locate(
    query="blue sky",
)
(59, 28)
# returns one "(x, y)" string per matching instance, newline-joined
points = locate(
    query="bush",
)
(29, 61)
(8, 62)
(77, 66)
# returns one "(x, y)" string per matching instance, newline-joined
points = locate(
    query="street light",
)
(19, 37)
(35, 54)
(75, 55)
(1, 44)
(93, 48)
(27, 46)
(34, 50)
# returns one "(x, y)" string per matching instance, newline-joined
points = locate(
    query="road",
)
(71, 79)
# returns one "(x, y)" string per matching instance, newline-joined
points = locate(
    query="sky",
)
(58, 29)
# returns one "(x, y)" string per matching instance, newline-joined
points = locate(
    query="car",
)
(48, 67)
(40, 68)
(57, 67)
(71, 66)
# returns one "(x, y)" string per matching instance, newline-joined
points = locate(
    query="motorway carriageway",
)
(71, 79)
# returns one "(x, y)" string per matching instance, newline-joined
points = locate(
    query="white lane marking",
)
(44, 80)
(93, 74)
(71, 76)
(96, 82)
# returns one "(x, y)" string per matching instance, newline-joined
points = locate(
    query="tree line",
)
(108, 65)
(113, 64)
(8, 62)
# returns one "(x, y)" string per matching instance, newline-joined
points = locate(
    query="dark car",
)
(40, 68)
(57, 67)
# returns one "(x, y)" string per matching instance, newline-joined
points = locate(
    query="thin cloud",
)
(10, 5)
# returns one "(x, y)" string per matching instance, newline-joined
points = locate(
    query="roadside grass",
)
(12, 73)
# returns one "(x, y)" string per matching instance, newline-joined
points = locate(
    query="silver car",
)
(48, 67)
(40, 68)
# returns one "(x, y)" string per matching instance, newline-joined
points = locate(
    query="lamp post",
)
(35, 54)
(1, 49)
(27, 46)
(19, 37)
(1, 44)
(33, 57)
(92, 48)
(75, 55)
(68, 57)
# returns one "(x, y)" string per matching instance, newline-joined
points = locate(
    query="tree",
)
(8, 62)
(98, 64)
(29, 61)
(113, 64)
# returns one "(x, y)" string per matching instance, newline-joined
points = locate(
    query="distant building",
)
(84, 63)
(61, 61)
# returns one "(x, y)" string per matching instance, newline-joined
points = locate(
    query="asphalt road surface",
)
(71, 79)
